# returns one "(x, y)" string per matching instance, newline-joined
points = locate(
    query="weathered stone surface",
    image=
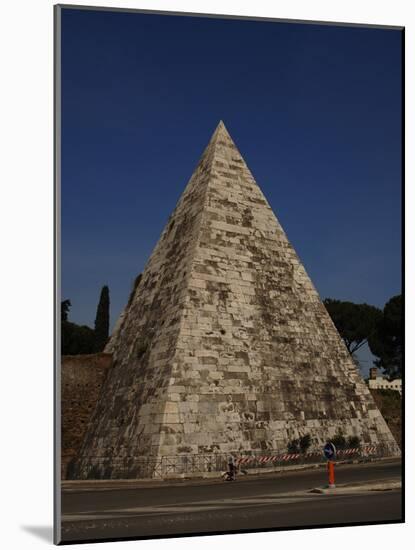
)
(226, 345)
(82, 378)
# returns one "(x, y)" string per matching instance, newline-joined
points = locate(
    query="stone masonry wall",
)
(82, 377)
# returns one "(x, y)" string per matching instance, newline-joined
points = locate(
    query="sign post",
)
(329, 451)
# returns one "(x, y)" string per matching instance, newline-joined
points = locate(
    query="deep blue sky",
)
(315, 111)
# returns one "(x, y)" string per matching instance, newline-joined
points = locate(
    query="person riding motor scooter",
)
(231, 473)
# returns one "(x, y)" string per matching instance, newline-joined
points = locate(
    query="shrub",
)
(71, 469)
(339, 441)
(94, 472)
(353, 442)
(305, 442)
(293, 446)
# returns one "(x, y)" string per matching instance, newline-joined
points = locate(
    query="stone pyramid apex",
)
(221, 126)
(221, 133)
(220, 148)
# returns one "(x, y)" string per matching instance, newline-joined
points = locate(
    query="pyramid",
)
(225, 346)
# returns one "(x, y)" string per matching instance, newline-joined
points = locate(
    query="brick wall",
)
(82, 377)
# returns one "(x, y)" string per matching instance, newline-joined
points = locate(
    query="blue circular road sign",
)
(329, 450)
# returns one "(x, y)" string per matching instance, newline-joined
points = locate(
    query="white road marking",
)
(192, 507)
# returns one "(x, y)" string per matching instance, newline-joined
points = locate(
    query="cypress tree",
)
(102, 319)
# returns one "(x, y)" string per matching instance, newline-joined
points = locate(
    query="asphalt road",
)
(272, 501)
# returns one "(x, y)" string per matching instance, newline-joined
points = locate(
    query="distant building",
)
(380, 383)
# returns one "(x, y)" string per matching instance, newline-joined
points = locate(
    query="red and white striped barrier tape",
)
(365, 449)
(267, 458)
(263, 459)
(346, 451)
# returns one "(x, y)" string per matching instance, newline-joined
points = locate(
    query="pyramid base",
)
(212, 465)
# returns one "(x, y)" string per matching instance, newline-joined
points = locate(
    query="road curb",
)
(387, 485)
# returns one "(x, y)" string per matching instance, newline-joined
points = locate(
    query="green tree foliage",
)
(300, 445)
(75, 339)
(304, 443)
(386, 342)
(65, 307)
(102, 320)
(356, 323)
(293, 447)
(353, 442)
(339, 441)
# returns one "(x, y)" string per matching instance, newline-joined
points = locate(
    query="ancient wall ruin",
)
(82, 377)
